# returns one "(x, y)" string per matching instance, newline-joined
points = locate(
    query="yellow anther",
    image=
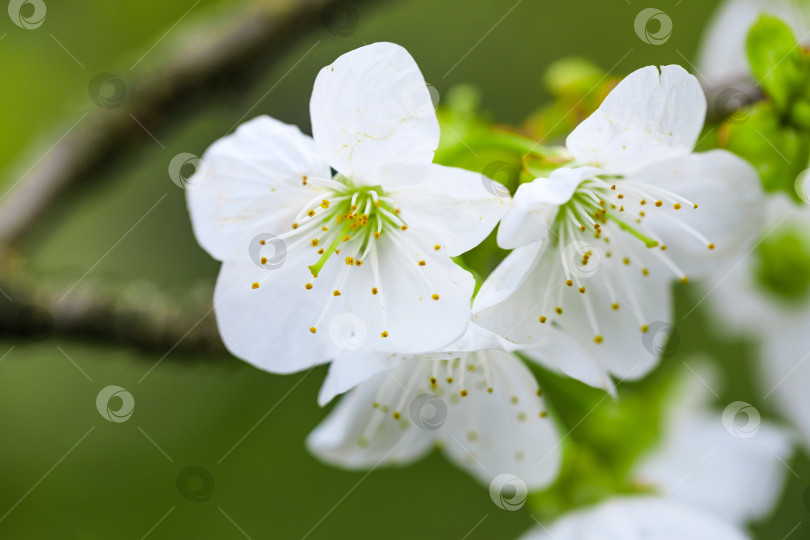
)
(422, 263)
(396, 416)
(312, 329)
(614, 306)
(376, 234)
(358, 262)
(346, 238)
(710, 246)
(314, 242)
(404, 227)
(684, 280)
(676, 206)
(644, 328)
(294, 226)
(626, 260)
(437, 247)
(336, 293)
(255, 285)
(435, 296)
(463, 393)
(324, 204)
(264, 260)
(374, 290)
(643, 202)
(311, 213)
(558, 310)
(308, 286)
(320, 251)
(659, 203)
(542, 319)
(384, 333)
(324, 228)
(349, 261)
(582, 290)
(645, 271)
(597, 339)
(569, 282)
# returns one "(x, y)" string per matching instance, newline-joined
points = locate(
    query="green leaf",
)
(776, 60)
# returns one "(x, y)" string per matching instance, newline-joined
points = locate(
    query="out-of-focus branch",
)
(726, 99)
(136, 314)
(235, 49)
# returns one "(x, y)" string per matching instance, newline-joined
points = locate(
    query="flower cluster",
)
(343, 247)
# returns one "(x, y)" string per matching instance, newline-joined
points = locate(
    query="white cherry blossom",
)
(302, 247)
(597, 244)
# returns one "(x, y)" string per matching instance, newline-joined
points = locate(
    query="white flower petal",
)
(252, 182)
(536, 204)
(562, 353)
(506, 431)
(647, 518)
(786, 365)
(393, 418)
(699, 462)
(453, 208)
(351, 367)
(357, 435)
(625, 351)
(648, 117)
(372, 107)
(730, 208)
(269, 326)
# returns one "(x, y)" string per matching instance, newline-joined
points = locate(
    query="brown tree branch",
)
(236, 49)
(135, 314)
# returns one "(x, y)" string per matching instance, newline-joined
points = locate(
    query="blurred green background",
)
(246, 427)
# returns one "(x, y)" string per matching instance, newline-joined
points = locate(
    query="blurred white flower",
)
(596, 247)
(302, 248)
(708, 483)
(480, 405)
(766, 296)
(721, 54)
